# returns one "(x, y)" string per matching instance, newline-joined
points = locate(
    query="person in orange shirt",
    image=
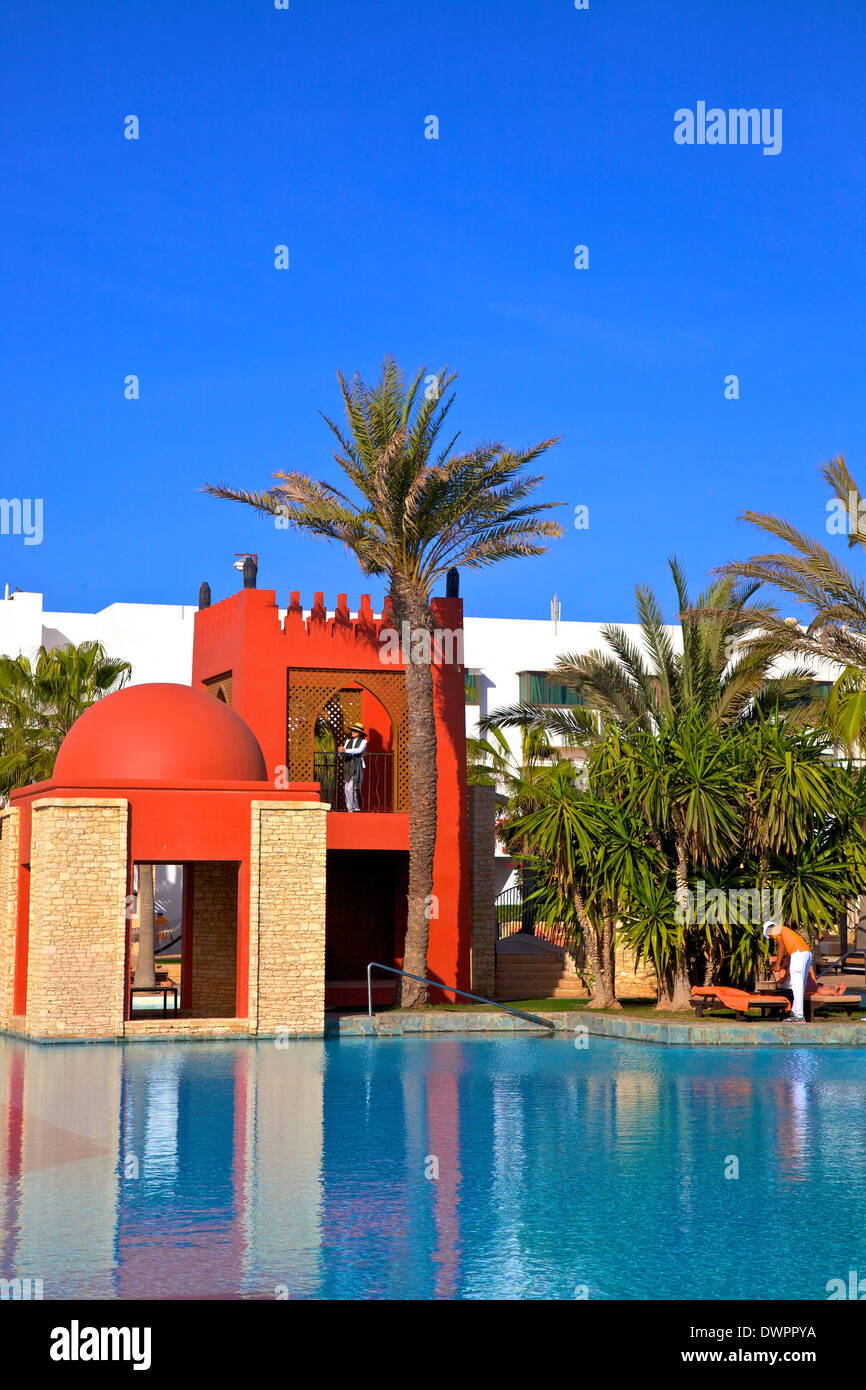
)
(794, 959)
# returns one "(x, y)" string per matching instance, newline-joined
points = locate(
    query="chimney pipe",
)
(204, 595)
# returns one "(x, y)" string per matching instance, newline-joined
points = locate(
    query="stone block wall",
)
(631, 983)
(214, 940)
(287, 916)
(76, 977)
(9, 833)
(482, 846)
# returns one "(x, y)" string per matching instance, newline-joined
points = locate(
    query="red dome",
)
(159, 733)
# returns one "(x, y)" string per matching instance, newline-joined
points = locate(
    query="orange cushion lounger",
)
(738, 1000)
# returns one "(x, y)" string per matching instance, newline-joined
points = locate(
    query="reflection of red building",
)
(232, 781)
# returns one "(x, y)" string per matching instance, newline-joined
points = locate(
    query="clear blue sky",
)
(306, 127)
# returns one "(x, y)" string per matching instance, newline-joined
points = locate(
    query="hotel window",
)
(539, 688)
(471, 682)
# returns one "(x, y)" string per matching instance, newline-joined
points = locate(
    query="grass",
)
(631, 1008)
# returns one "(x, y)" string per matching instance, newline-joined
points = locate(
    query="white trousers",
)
(354, 782)
(798, 972)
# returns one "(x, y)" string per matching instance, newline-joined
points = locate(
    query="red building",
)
(237, 784)
(299, 683)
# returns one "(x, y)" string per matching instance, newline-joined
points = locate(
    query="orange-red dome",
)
(160, 732)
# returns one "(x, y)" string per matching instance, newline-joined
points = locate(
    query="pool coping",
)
(576, 1022)
(718, 1033)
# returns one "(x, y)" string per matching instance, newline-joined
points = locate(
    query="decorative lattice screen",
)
(323, 695)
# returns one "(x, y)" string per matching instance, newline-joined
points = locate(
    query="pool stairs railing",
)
(450, 989)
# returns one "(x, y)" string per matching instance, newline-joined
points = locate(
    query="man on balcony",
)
(353, 751)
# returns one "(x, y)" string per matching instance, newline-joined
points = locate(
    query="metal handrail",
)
(838, 965)
(422, 979)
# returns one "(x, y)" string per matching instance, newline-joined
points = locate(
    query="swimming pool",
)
(431, 1168)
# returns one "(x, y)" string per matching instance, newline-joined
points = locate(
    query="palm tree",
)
(423, 509)
(41, 700)
(722, 675)
(656, 720)
(590, 855)
(145, 965)
(834, 597)
(492, 763)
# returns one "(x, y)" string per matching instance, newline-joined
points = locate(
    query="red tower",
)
(299, 683)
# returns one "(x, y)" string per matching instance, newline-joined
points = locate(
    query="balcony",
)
(377, 787)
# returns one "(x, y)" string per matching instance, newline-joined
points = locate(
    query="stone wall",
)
(77, 960)
(9, 833)
(482, 846)
(214, 965)
(287, 916)
(631, 983)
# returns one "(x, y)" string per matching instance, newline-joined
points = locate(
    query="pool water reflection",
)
(430, 1168)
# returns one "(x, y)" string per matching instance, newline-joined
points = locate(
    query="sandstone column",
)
(76, 974)
(287, 916)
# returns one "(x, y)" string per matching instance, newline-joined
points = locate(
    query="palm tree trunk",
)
(677, 992)
(145, 971)
(421, 754)
(608, 959)
(599, 954)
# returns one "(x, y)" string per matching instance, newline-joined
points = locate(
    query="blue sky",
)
(261, 127)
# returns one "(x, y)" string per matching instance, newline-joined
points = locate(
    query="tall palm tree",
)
(40, 700)
(422, 508)
(721, 675)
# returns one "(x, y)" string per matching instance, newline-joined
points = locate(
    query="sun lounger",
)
(738, 1000)
(828, 996)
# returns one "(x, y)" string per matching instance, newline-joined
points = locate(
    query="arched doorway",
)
(354, 704)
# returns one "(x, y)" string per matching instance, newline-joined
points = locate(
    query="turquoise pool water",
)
(431, 1168)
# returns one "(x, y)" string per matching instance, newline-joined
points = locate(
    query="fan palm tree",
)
(41, 700)
(422, 508)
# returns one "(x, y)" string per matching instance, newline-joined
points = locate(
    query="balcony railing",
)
(376, 792)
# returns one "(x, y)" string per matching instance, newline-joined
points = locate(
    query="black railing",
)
(375, 792)
(514, 914)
